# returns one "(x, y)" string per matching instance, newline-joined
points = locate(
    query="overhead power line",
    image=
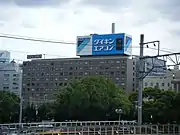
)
(33, 39)
(18, 37)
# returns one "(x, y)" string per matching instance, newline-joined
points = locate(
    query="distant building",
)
(161, 82)
(176, 79)
(169, 81)
(11, 77)
(42, 77)
(100, 55)
(158, 64)
(10, 74)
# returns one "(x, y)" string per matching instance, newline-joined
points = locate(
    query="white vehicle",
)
(46, 126)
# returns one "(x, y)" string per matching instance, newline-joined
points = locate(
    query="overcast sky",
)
(63, 20)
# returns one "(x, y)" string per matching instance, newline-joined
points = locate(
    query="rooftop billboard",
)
(106, 44)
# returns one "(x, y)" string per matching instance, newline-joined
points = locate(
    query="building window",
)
(81, 73)
(16, 75)
(70, 73)
(6, 75)
(100, 73)
(15, 88)
(146, 84)
(14, 83)
(5, 88)
(85, 73)
(157, 85)
(162, 84)
(112, 73)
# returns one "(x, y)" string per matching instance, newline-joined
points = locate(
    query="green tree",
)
(9, 107)
(29, 114)
(45, 112)
(91, 98)
(158, 105)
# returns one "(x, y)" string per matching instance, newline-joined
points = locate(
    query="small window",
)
(6, 75)
(119, 44)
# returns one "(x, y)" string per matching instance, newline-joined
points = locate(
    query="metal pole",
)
(119, 117)
(113, 28)
(158, 47)
(20, 111)
(141, 70)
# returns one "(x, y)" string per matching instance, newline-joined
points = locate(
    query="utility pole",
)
(113, 28)
(141, 71)
(20, 111)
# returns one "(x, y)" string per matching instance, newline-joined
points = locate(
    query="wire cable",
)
(33, 39)
(18, 37)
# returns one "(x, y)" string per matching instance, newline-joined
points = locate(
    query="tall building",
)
(100, 55)
(42, 77)
(10, 75)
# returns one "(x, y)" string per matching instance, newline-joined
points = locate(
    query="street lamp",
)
(119, 112)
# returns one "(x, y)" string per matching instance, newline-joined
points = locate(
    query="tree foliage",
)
(29, 114)
(9, 107)
(158, 106)
(91, 98)
(45, 112)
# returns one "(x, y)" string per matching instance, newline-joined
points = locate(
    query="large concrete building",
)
(168, 81)
(42, 77)
(10, 74)
(163, 82)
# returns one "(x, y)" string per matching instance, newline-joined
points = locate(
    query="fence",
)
(88, 128)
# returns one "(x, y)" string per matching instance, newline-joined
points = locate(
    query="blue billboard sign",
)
(107, 44)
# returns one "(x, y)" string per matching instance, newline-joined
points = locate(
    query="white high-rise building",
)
(10, 74)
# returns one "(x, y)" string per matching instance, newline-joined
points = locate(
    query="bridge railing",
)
(74, 123)
(96, 129)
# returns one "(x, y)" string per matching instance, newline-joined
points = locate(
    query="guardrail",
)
(75, 123)
(95, 130)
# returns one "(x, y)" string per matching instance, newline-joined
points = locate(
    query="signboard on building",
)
(84, 45)
(107, 44)
(37, 56)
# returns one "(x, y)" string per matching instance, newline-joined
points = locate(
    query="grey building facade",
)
(42, 77)
(11, 77)
(150, 63)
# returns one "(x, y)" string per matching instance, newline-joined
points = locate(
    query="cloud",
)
(169, 9)
(107, 5)
(40, 2)
(76, 18)
(34, 3)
